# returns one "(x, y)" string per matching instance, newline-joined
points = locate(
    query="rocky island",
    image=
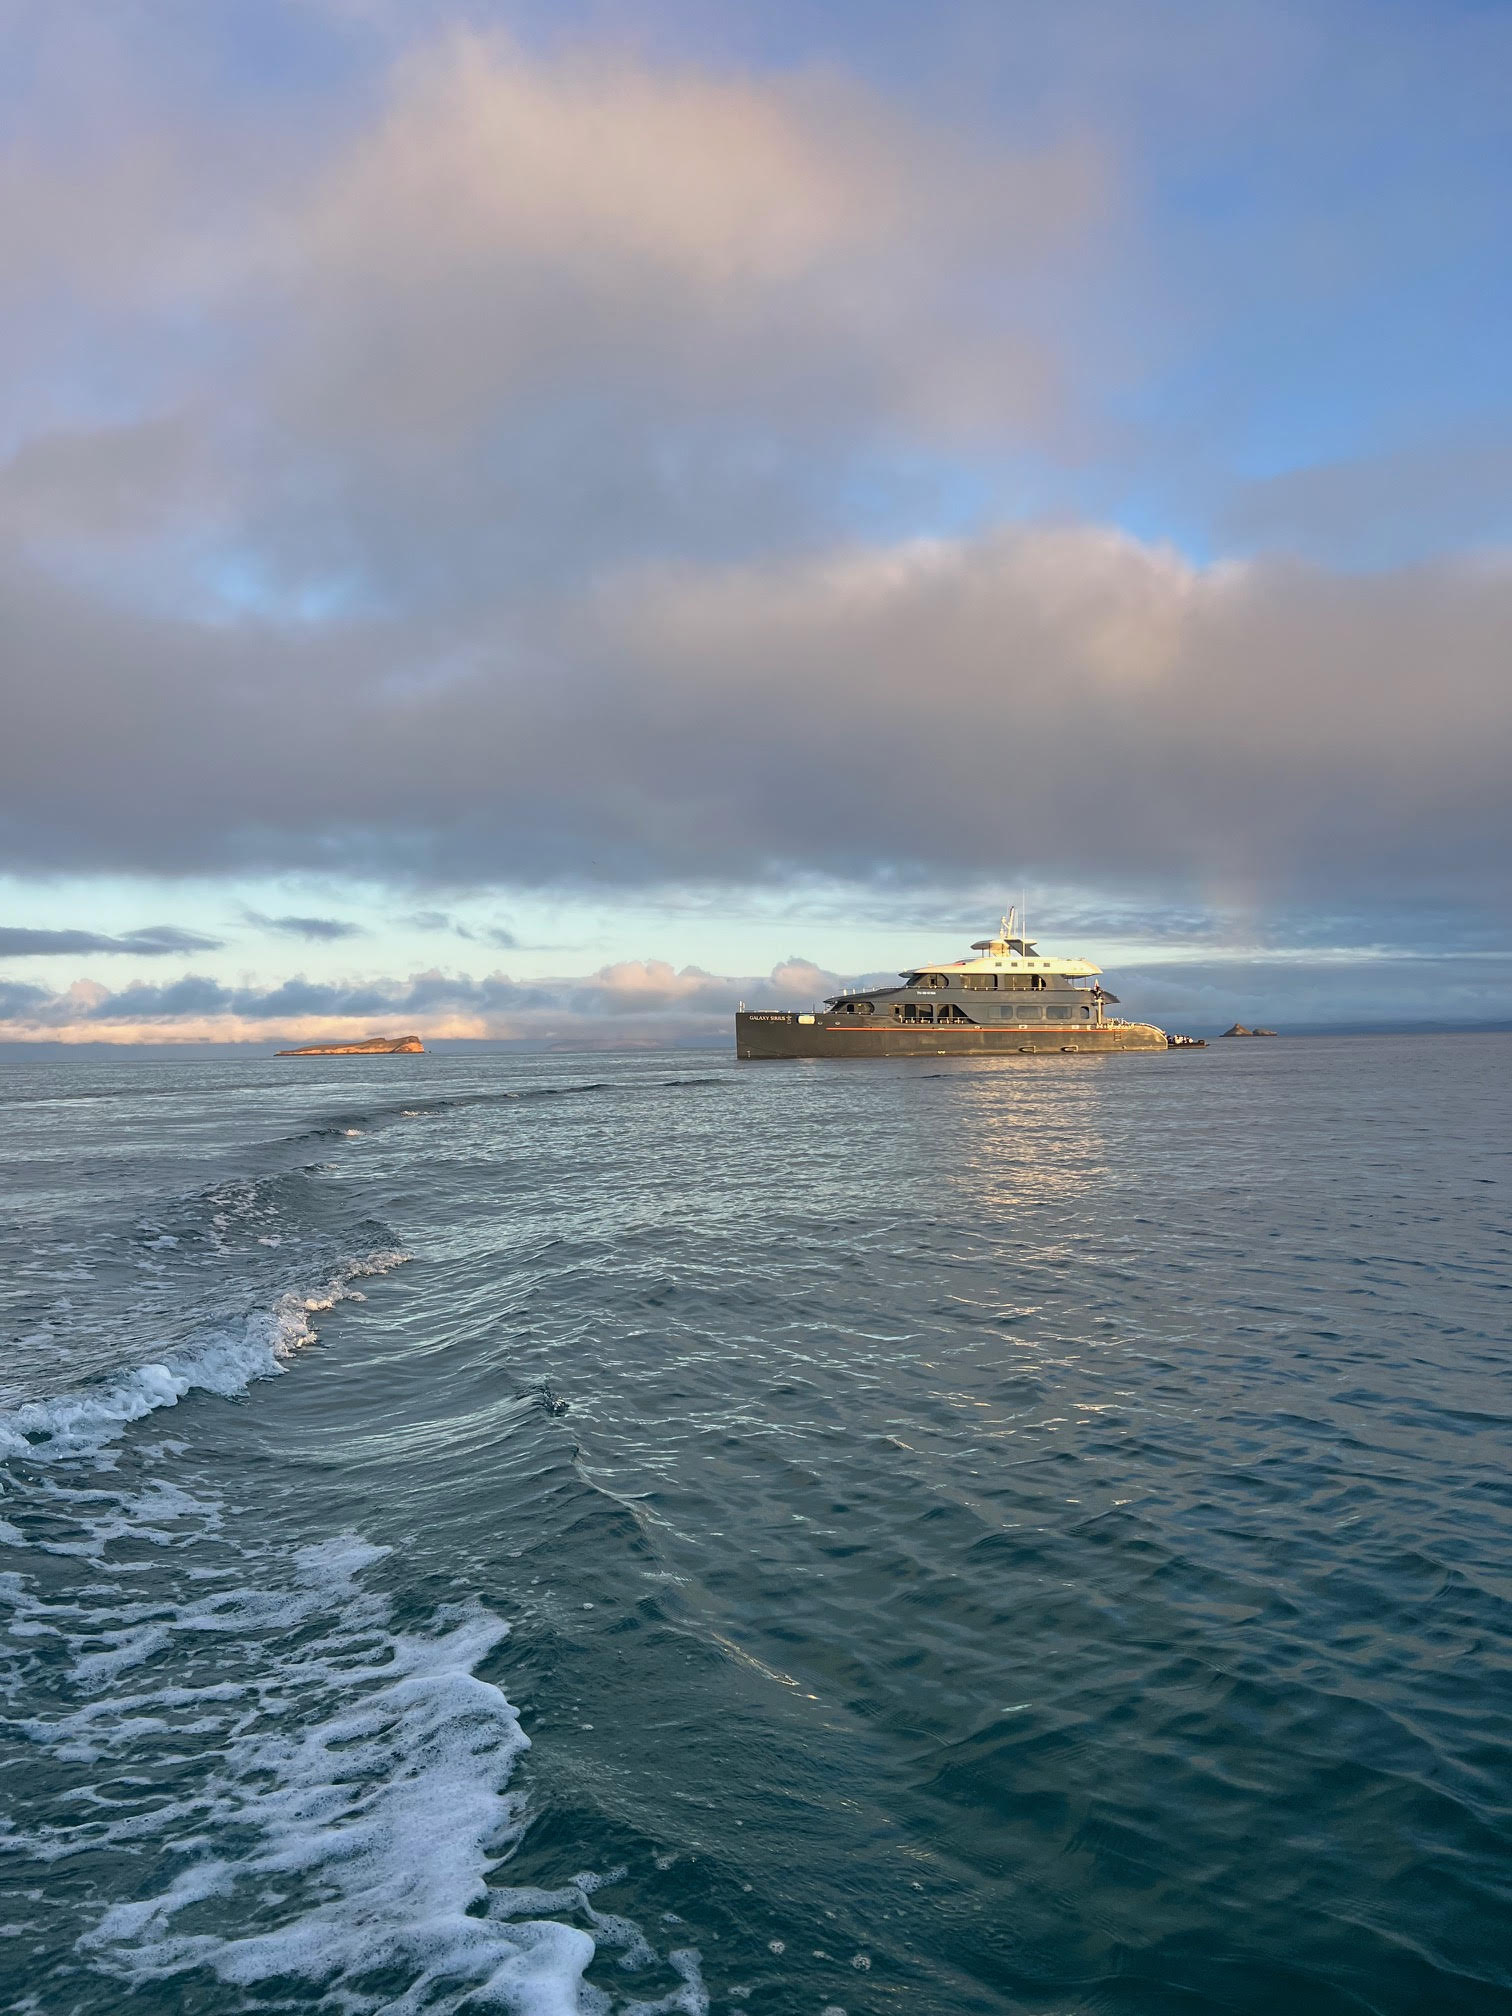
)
(374, 1046)
(1240, 1030)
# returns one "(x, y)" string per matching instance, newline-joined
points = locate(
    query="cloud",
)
(73, 483)
(1374, 508)
(935, 708)
(1372, 988)
(154, 942)
(510, 224)
(325, 930)
(496, 478)
(27, 1010)
(440, 920)
(633, 1001)
(528, 314)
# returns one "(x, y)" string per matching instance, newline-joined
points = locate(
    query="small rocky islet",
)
(373, 1046)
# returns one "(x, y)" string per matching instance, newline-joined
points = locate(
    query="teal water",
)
(651, 1534)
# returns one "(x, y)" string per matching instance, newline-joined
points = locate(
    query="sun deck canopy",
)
(1008, 952)
(1008, 962)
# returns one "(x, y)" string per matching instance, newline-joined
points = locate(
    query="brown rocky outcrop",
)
(374, 1046)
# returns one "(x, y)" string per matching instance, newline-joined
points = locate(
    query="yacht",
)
(1007, 998)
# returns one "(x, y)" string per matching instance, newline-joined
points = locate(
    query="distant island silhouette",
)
(373, 1046)
(1240, 1030)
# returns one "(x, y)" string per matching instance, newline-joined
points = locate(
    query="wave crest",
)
(224, 1362)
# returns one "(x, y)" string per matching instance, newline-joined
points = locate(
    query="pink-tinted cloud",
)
(635, 1001)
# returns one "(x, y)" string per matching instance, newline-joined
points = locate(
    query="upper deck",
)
(1008, 963)
(1008, 954)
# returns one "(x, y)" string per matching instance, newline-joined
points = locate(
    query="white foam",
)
(133, 1646)
(344, 1822)
(382, 1816)
(226, 1362)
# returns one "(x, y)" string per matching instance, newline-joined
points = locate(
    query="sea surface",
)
(650, 1534)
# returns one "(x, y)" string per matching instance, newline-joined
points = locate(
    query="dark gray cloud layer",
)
(157, 941)
(1068, 698)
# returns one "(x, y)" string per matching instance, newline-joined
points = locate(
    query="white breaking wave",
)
(225, 1362)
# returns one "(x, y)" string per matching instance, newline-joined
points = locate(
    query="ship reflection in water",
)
(1024, 1136)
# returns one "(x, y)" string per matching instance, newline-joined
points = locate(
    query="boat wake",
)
(225, 1360)
(298, 1796)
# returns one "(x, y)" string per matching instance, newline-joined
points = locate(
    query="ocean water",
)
(647, 1534)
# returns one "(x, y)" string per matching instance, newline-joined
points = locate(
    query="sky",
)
(538, 523)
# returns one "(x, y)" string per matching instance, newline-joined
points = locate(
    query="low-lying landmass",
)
(1240, 1030)
(373, 1046)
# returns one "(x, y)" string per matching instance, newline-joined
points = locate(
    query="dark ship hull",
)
(770, 1033)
